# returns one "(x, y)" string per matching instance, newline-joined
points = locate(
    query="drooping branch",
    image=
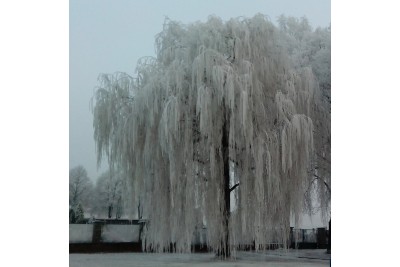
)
(316, 177)
(326, 184)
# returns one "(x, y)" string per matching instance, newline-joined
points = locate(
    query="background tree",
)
(80, 188)
(79, 214)
(71, 215)
(222, 104)
(111, 195)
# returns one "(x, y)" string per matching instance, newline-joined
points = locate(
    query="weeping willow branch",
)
(219, 95)
(316, 177)
(325, 183)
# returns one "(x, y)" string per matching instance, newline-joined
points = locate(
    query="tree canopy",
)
(241, 102)
(111, 195)
(80, 187)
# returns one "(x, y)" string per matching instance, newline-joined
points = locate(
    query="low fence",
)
(88, 233)
(106, 236)
(309, 238)
(118, 236)
(80, 233)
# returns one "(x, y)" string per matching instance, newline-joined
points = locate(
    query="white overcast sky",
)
(109, 36)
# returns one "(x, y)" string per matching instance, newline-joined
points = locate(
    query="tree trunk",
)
(225, 156)
(110, 208)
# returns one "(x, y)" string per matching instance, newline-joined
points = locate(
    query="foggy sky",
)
(110, 36)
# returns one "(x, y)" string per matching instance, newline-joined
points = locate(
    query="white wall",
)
(120, 233)
(80, 233)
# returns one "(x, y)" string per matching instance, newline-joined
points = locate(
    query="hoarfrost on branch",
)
(242, 92)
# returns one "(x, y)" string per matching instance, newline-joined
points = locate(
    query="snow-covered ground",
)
(275, 258)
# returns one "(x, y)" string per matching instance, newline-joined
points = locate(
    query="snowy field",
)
(300, 258)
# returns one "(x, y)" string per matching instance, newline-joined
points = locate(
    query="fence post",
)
(96, 236)
(328, 250)
(321, 237)
(291, 238)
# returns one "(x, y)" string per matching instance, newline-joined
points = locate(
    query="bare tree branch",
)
(316, 178)
(233, 187)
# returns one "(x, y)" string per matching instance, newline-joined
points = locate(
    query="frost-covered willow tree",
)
(223, 110)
